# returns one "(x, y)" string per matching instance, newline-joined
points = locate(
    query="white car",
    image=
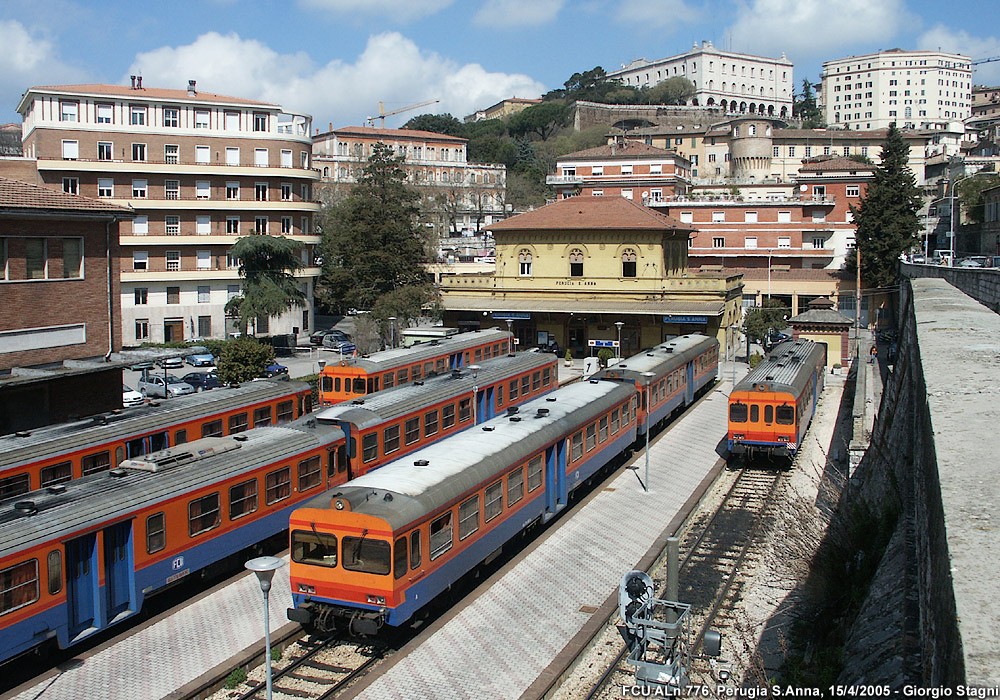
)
(153, 385)
(131, 397)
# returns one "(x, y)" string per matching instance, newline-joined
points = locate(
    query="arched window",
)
(576, 263)
(326, 171)
(524, 263)
(753, 127)
(628, 263)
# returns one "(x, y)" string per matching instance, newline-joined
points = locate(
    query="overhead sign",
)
(602, 343)
(679, 318)
(510, 315)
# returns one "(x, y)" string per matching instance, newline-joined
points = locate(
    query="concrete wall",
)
(982, 285)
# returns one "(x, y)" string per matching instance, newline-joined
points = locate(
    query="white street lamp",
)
(618, 350)
(475, 392)
(649, 427)
(510, 333)
(392, 330)
(265, 567)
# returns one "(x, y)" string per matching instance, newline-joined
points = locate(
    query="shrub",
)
(243, 359)
(756, 359)
(235, 677)
(603, 355)
(569, 355)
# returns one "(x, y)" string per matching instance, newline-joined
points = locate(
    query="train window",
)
(372, 385)
(428, 369)
(785, 415)
(576, 450)
(54, 562)
(238, 423)
(525, 385)
(663, 388)
(310, 473)
(546, 376)
(212, 428)
(769, 414)
(390, 439)
(499, 393)
(136, 447)
(503, 347)
(285, 414)
(180, 437)
(415, 372)
(464, 409)
(614, 421)
(204, 514)
(305, 404)
(591, 437)
(493, 501)
(261, 416)
(119, 455)
(515, 486)
(156, 533)
(513, 390)
(487, 352)
(158, 441)
(388, 380)
(440, 365)
(448, 416)
(96, 462)
(278, 485)
(754, 413)
(369, 447)
(403, 376)
(242, 499)
(468, 517)
(535, 473)
(478, 355)
(738, 413)
(415, 549)
(411, 431)
(358, 385)
(496, 350)
(536, 381)
(441, 536)
(56, 474)
(14, 485)
(603, 429)
(326, 384)
(430, 423)
(400, 561)
(317, 548)
(18, 586)
(337, 384)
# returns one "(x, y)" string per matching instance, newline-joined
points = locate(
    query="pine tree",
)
(886, 216)
(267, 264)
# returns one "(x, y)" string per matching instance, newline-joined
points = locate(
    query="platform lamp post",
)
(648, 376)
(618, 350)
(475, 391)
(510, 333)
(265, 567)
(392, 330)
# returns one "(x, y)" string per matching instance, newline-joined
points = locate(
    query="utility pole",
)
(857, 298)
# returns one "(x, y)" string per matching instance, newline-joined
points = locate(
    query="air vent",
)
(358, 402)
(243, 438)
(550, 398)
(594, 381)
(23, 433)
(649, 354)
(541, 413)
(488, 428)
(118, 473)
(769, 378)
(456, 374)
(418, 383)
(668, 350)
(311, 423)
(512, 410)
(435, 342)
(25, 507)
(56, 488)
(420, 462)
(515, 419)
(621, 365)
(387, 498)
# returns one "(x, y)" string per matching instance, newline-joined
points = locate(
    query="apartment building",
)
(915, 89)
(734, 82)
(628, 169)
(502, 109)
(466, 196)
(199, 170)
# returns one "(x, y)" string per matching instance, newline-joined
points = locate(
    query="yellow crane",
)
(382, 114)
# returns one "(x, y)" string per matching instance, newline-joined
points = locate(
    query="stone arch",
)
(629, 262)
(525, 261)
(743, 106)
(724, 104)
(770, 110)
(784, 112)
(694, 102)
(711, 102)
(570, 247)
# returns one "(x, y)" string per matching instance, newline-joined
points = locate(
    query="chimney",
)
(331, 127)
(138, 82)
(191, 91)
(133, 81)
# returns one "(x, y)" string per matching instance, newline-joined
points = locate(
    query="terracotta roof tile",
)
(592, 213)
(150, 93)
(21, 195)
(631, 149)
(373, 132)
(836, 165)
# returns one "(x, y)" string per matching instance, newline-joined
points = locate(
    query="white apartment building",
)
(915, 89)
(734, 82)
(199, 170)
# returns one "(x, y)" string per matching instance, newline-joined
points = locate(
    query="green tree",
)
(406, 305)
(267, 264)
(539, 120)
(371, 240)
(970, 196)
(805, 108)
(886, 216)
(438, 123)
(243, 359)
(771, 315)
(675, 90)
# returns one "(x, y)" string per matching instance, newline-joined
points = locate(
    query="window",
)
(231, 121)
(171, 117)
(464, 409)
(818, 215)
(718, 242)
(448, 416)
(784, 242)
(784, 217)
(597, 170)
(141, 296)
(750, 217)
(172, 225)
(468, 517)
(204, 294)
(204, 514)
(233, 190)
(172, 189)
(259, 121)
(260, 157)
(260, 225)
(278, 485)
(430, 423)
(412, 431)
(853, 191)
(137, 115)
(576, 263)
(628, 263)
(233, 225)
(104, 149)
(515, 486)
(56, 474)
(173, 260)
(71, 185)
(627, 194)
(238, 423)
(576, 448)
(524, 263)
(139, 189)
(369, 447)
(535, 466)
(286, 192)
(232, 155)
(35, 258)
(242, 499)
(91, 464)
(441, 536)
(315, 548)
(204, 326)
(285, 412)
(286, 224)
(203, 224)
(139, 152)
(750, 242)
(201, 119)
(591, 437)
(818, 243)
(156, 533)
(536, 381)
(390, 439)
(105, 114)
(493, 501)
(203, 189)
(656, 169)
(718, 217)
(142, 329)
(202, 155)
(286, 158)
(18, 586)
(310, 473)
(70, 150)
(212, 428)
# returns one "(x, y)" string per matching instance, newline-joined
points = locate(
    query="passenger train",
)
(350, 378)
(42, 457)
(770, 409)
(375, 551)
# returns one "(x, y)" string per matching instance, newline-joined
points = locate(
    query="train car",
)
(376, 550)
(79, 557)
(42, 457)
(389, 424)
(351, 378)
(771, 408)
(681, 369)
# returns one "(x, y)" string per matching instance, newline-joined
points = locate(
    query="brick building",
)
(628, 169)
(199, 170)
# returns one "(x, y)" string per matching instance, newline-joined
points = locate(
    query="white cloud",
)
(401, 10)
(392, 69)
(27, 59)
(658, 14)
(960, 41)
(517, 13)
(813, 28)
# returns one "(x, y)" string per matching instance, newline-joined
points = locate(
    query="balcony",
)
(175, 167)
(216, 272)
(564, 179)
(206, 203)
(712, 200)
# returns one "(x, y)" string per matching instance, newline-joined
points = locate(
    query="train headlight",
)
(783, 438)
(376, 599)
(738, 436)
(306, 588)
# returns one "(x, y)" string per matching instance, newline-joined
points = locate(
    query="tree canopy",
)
(539, 120)
(675, 90)
(970, 194)
(438, 123)
(243, 359)
(771, 315)
(886, 216)
(805, 108)
(269, 287)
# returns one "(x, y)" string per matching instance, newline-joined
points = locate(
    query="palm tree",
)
(267, 264)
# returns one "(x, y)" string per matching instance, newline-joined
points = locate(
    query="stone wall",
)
(983, 285)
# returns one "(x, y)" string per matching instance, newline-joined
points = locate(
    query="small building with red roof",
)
(629, 169)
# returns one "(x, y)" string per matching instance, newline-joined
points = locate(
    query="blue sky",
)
(335, 59)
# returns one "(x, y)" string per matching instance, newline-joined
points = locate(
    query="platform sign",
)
(510, 315)
(602, 343)
(680, 318)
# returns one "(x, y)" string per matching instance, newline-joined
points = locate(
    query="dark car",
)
(202, 381)
(275, 370)
(317, 337)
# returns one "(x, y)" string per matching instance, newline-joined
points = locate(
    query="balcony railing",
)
(176, 161)
(563, 179)
(719, 199)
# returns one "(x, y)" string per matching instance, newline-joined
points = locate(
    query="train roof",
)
(402, 492)
(387, 405)
(89, 502)
(786, 368)
(662, 359)
(30, 446)
(381, 361)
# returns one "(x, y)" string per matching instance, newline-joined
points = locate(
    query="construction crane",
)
(382, 114)
(985, 60)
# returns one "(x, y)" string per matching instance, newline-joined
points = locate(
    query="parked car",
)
(200, 357)
(317, 337)
(154, 385)
(170, 362)
(142, 366)
(339, 341)
(131, 397)
(275, 370)
(202, 381)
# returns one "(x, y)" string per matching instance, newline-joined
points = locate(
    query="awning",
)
(452, 302)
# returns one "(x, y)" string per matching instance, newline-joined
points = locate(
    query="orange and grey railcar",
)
(770, 409)
(350, 378)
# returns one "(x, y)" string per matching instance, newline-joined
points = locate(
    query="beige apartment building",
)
(199, 170)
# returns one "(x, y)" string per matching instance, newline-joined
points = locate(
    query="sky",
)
(337, 59)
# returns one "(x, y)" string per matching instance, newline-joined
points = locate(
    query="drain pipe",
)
(111, 301)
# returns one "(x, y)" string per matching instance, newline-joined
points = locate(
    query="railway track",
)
(711, 558)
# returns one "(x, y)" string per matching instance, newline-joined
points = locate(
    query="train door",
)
(455, 360)
(484, 405)
(81, 583)
(343, 462)
(118, 569)
(689, 388)
(555, 474)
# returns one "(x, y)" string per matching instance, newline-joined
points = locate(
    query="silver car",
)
(153, 385)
